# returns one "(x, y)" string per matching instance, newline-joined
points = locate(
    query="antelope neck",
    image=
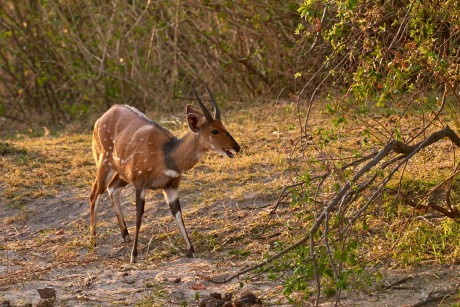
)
(182, 154)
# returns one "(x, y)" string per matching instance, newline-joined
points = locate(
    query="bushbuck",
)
(130, 148)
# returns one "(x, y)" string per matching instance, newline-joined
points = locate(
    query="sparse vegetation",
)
(312, 92)
(233, 223)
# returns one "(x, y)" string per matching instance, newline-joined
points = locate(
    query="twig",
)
(436, 296)
(398, 282)
(148, 245)
(29, 272)
(394, 146)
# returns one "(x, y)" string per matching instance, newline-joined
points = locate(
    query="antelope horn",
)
(205, 111)
(216, 109)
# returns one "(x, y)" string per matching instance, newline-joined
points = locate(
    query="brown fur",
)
(129, 148)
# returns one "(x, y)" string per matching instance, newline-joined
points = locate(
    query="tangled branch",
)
(348, 192)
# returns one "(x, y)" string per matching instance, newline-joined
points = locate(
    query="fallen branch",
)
(30, 272)
(398, 282)
(436, 296)
(346, 192)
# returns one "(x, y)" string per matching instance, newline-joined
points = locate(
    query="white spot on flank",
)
(145, 160)
(172, 173)
(213, 147)
(149, 169)
(142, 139)
(105, 126)
(140, 172)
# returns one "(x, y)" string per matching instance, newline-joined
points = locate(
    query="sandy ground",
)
(47, 247)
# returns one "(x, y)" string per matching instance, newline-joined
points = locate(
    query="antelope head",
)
(213, 134)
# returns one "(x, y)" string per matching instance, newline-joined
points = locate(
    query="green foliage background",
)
(58, 59)
(61, 58)
(383, 50)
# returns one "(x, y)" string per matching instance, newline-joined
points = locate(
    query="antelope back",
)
(129, 142)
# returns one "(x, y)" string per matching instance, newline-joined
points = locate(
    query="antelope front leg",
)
(94, 203)
(140, 203)
(114, 189)
(172, 198)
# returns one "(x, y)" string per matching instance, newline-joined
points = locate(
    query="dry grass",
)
(216, 193)
(226, 202)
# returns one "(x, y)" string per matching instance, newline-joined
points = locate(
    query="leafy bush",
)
(62, 58)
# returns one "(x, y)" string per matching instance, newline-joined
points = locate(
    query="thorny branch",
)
(347, 191)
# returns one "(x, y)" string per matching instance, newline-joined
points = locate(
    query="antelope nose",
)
(237, 148)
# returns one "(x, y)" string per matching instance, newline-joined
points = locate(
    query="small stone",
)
(5, 304)
(172, 280)
(122, 274)
(130, 281)
(198, 286)
(46, 303)
(47, 293)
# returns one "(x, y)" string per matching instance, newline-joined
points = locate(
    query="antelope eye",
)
(215, 132)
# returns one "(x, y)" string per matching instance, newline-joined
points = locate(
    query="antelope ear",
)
(194, 119)
(192, 109)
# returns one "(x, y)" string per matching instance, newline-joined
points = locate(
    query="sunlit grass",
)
(227, 201)
(45, 165)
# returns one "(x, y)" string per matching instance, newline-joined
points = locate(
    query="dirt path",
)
(48, 248)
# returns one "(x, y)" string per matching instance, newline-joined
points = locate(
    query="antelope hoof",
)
(127, 239)
(93, 242)
(190, 254)
(133, 259)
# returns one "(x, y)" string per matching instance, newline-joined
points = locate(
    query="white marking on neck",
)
(171, 173)
(171, 195)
